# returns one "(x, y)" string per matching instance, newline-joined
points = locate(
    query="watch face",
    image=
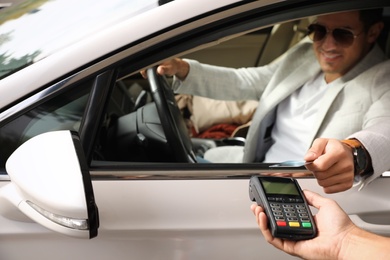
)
(361, 159)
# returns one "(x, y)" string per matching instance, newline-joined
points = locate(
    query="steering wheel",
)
(172, 121)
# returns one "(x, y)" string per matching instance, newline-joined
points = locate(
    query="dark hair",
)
(370, 17)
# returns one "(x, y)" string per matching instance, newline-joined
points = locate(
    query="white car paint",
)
(42, 193)
(161, 219)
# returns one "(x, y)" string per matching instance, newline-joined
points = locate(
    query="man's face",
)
(335, 58)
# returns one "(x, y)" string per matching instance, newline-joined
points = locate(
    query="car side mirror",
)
(50, 183)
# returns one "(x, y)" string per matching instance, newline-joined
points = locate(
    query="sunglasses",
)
(318, 32)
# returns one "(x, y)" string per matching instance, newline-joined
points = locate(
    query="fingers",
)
(253, 208)
(256, 211)
(143, 74)
(174, 67)
(329, 212)
(337, 178)
(262, 222)
(334, 174)
(332, 165)
(333, 183)
(326, 153)
(168, 68)
(163, 69)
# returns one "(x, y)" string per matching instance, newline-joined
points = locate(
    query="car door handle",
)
(376, 223)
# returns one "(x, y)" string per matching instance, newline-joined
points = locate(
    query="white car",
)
(92, 168)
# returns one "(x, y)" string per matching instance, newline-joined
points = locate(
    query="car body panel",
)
(163, 220)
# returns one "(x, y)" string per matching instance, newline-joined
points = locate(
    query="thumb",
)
(316, 150)
(314, 199)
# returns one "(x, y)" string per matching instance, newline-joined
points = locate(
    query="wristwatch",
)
(361, 158)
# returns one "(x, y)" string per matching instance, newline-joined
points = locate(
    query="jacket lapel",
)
(273, 96)
(291, 83)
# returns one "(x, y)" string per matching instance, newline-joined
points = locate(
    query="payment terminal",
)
(285, 205)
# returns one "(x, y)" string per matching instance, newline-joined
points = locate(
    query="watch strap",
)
(352, 143)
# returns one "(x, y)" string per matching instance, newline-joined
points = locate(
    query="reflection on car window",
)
(23, 41)
(63, 112)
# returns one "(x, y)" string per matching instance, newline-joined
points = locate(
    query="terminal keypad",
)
(291, 214)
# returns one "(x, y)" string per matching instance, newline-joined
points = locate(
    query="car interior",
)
(136, 125)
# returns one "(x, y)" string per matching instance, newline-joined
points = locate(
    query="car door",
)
(160, 210)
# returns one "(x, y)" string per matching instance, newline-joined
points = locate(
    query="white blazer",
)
(357, 105)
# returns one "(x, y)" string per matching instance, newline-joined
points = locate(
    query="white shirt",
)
(295, 117)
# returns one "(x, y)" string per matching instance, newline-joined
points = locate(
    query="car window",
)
(133, 132)
(63, 111)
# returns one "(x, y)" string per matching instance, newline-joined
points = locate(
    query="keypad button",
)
(306, 224)
(281, 223)
(292, 215)
(294, 224)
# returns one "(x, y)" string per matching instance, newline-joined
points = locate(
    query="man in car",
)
(334, 86)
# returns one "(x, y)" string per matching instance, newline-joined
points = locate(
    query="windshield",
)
(30, 30)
